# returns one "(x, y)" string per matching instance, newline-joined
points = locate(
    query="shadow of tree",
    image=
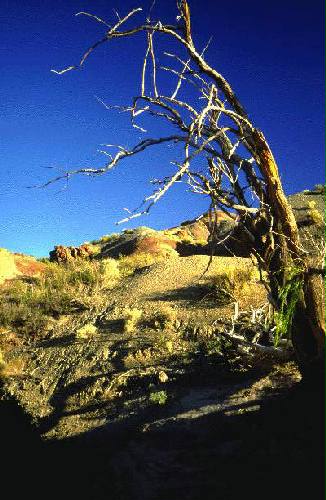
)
(204, 295)
(274, 451)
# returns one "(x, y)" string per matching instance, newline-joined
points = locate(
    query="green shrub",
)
(289, 295)
(158, 397)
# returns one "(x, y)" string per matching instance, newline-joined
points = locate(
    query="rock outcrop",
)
(190, 238)
(65, 254)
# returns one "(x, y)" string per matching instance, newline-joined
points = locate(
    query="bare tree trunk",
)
(308, 324)
(308, 328)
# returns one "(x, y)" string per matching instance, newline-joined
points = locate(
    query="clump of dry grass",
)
(29, 305)
(140, 358)
(314, 215)
(163, 317)
(131, 317)
(12, 367)
(87, 331)
(229, 282)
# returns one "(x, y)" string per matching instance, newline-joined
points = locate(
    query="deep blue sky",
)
(271, 52)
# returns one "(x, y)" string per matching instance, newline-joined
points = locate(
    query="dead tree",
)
(238, 171)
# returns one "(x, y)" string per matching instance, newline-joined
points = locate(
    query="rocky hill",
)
(193, 237)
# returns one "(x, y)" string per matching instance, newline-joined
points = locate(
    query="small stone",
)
(162, 376)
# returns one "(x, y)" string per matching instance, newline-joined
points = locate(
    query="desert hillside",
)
(121, 353)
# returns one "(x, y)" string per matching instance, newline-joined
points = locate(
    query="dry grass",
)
(229, 283)
(131, 317)
(86, 332)
(314, 214)
(163, 317)
(29, 305)
(11, 368)
(140, 358)
(130, 263)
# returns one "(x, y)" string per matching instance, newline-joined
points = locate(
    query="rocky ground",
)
(217, 439)
(150, 400)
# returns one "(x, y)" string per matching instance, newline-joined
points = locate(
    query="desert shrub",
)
(12, 367)
(313, 213)
(130, 319)
(95, 249)
(108, 237)
(201, 242)
(164, 317)
(320, 188)
(2, 363)
(81, 273)
(226, 284)
(187, 240)
(109, 269)
(22, 317)
(85, 276)
(223, 289)
(85, 332)
(213, 346)
(27, 305)
(45, 260)
(158, 397)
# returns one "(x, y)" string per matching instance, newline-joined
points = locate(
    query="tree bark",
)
(308, 324)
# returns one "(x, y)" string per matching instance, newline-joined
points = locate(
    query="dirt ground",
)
(225, 430)
(257, 436)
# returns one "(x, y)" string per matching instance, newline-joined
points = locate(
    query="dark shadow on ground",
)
(205, 296)
(274, 451)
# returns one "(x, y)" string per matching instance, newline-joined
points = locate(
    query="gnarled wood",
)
(308, 328)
